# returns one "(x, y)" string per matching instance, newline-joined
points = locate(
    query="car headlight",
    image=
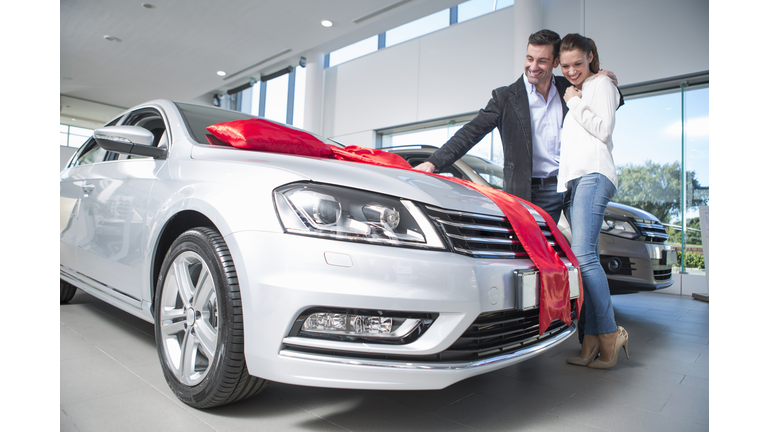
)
(619, 227)
(349, 214)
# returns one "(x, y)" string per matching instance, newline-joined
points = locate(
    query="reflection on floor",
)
(111, 380)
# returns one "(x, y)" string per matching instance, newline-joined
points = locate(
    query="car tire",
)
(67, 291)
(199, 325)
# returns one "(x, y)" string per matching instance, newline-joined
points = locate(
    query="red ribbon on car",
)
(554, 299)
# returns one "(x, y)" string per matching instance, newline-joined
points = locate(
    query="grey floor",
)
(111, 381)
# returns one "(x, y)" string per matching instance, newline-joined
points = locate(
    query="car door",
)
(72, 188)
(114, 254)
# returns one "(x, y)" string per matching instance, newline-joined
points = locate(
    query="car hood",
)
(416, 186)
(616, 209)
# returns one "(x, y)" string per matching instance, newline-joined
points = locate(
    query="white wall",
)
(452, 71)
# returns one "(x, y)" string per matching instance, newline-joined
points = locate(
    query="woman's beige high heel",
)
(622, 340)
(585, 361)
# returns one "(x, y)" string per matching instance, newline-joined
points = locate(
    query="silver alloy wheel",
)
(189, 318)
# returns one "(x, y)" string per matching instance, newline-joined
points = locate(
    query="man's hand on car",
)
(425, 166)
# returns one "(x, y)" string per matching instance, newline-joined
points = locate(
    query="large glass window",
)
(657, 137)
(349, 52)
(475, 8)
(419, 27)
(72, 136)
(299, 97)
(282, 102)
(439, 20)
(277, 99)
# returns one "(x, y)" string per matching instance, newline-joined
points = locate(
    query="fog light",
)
(326, 321)
(359, 325)
(373, 325)
(614, 265)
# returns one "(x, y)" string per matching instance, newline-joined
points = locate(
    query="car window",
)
(490, 172)
(90, 153)
(198, 118)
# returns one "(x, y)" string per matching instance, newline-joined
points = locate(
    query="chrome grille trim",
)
(491, 253)
(484, 239)
(475, 227)
(485, 236)
(465, 214)
(653, 231)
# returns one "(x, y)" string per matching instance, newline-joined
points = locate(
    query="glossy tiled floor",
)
(111, 381)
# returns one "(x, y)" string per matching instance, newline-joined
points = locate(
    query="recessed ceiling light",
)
(148, 6)
(111, 38)
(221, 73)
(326, 23)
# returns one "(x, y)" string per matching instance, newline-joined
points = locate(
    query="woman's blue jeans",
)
(585, 203)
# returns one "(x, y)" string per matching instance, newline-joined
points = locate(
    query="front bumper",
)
(633, 265)
(283, 275)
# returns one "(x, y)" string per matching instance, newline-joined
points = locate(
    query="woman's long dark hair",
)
(575, 41)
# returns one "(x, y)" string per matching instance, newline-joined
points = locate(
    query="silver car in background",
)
(258, 267)
(633, 248)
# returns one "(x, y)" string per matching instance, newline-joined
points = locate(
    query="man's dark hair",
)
(546, 37)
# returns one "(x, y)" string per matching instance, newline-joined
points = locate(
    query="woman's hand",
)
(571, 92)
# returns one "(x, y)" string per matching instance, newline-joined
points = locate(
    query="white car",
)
(258, 266)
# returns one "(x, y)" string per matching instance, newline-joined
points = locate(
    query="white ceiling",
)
(174, 49)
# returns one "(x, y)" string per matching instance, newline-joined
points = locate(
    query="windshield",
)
(489, 171)
(198, 118)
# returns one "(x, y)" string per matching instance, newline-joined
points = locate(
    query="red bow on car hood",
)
(554, 301)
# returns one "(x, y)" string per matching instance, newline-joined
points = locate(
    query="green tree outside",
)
(693, 237)
(655, 188)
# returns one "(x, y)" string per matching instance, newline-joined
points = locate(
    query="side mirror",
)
(132, 140)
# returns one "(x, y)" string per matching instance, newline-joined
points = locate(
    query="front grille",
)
(491, 334)
(652, 230)
(662, 275)
(502, 332)
(485, 236)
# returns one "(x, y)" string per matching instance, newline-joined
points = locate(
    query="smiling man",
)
(529, 115)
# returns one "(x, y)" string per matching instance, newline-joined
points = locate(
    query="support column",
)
(313, 97)
(527, 21)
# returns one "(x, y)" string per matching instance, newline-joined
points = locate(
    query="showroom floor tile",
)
(111, 381)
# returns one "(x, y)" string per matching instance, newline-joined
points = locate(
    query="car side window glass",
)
(90, 153)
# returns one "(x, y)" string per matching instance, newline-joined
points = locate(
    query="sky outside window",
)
(476, 8)
(300, 92)
(277, 99)
(417, 28)
(358, 49)
(649, 128)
